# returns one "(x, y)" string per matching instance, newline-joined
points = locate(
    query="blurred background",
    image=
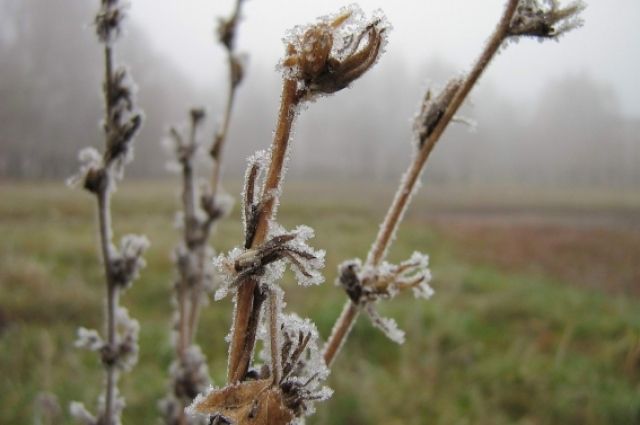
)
(531, 216)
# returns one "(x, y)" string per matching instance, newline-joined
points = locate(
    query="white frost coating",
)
(543, 19)
(260, 160)
(90, 160)
(367, 285)
(226, 272)
(310, 368)
(190, 410)
(309, 274)
(331, 40)
(80, 414)
(127, 330)
(89, 339)
(388, 326)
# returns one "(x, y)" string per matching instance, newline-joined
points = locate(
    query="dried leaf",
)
(247, 403)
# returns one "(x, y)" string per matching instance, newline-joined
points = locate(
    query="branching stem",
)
(243, 337)
(399, 204)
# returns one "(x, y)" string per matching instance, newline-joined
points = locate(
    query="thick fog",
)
(575, 128)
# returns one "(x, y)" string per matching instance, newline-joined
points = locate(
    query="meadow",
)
(535, 320)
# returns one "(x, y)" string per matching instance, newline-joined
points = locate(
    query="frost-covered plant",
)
(322, 59)
(521, 18)
(118, 349)
(203, 204)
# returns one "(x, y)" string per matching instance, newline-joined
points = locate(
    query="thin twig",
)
(399, 204)
(220, 136)
(274, 332)
(104, 218)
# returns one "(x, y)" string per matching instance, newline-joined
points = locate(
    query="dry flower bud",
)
(545, 18)
(432, 110)
(326, 57)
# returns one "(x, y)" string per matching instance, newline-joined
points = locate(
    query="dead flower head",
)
(545, 18)
(367, 285)
(326, 57)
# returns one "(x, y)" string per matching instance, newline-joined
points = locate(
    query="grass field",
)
(536, 317)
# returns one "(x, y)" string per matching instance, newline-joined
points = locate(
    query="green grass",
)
(491, 347)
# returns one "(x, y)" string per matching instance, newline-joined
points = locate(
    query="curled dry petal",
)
(326, 57)
(250, 402)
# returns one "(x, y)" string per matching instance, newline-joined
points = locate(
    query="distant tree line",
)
(49, 73)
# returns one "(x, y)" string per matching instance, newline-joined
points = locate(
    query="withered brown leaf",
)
(247, 403)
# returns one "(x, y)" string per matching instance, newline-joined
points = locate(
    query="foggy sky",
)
(605, 49)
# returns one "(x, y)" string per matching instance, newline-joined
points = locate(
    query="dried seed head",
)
(326, 57)
(108, 21)
(367, 285)
(545, 18)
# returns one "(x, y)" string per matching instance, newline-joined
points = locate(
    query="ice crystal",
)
(306, 262)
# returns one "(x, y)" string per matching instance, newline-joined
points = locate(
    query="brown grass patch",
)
(597, 251)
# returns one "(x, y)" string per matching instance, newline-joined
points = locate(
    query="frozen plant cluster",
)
(127, 262)
(189, 376)
(201, 208)
(366, 285)
(83, 417)
(118, 349)
(122, 356)
(267, 261)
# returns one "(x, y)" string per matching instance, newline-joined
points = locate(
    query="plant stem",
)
(243, 337)
(399, 204)
(340, 331)
(221, 136)
(104, 218)
(274, 330)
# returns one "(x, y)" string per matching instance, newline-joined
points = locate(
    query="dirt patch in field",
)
(593, 250)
